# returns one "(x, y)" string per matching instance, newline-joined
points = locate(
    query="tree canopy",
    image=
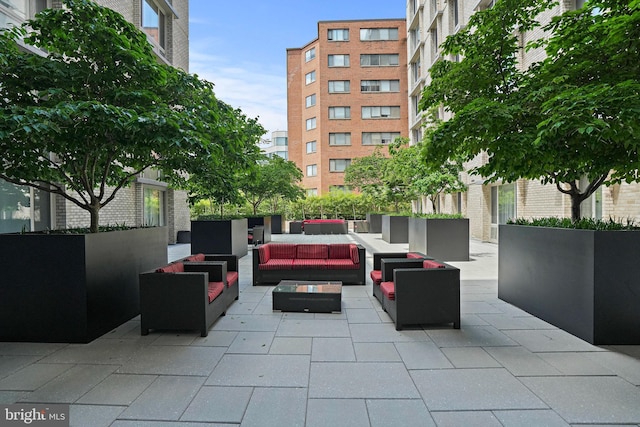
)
(569, 117)
(96, 108)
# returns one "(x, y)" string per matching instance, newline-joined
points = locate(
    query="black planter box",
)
(295, 227)
(375, 222)
(360, 226)
(276, 224)
(585, 282)
(443, 239)
(395, 229)
(74, 287)
(264, 221)
(224, 236)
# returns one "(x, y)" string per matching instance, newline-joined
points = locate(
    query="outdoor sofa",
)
(415, 294)
(273, 262)
(191, 293)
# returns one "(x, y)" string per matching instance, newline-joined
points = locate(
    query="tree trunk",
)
(576, 201)
(94, 214)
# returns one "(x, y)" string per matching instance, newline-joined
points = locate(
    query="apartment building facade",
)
(346, 95)
(148, 201)
(429, 22)
(278, 145)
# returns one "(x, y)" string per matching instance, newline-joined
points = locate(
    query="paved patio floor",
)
(258, 367)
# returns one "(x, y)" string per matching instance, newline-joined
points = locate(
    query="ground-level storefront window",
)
(503, 206)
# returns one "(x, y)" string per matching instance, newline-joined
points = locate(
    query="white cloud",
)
(254, 88)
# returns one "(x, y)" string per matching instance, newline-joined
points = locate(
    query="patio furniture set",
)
(192, 293)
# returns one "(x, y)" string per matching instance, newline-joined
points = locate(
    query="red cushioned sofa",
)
(421, 293)
(273, 262)
(191, 293)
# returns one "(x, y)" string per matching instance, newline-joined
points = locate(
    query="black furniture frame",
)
(423, 295)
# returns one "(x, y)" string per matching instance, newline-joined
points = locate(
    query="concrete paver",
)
(258, 367)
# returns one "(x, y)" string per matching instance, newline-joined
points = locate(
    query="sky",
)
(241, 46)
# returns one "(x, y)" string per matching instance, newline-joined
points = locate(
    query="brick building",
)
(429, 22)
(148, 201)
(346, 94)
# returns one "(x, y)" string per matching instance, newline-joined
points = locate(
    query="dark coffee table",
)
(312, 296)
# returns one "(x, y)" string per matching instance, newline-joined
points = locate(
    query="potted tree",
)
(364, 175)
(80, 121)
(570, 121)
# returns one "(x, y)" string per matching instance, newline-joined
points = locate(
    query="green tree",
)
(97, 108)
(570, 117)
(365, 174)
(274, 177)
(221, 182)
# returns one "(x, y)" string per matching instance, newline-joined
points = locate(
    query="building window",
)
(338, 165)
(456, 13)
(340, 138)
(311, 123)
(153, 207)
(414, 37)
(153, 22)
(380, 60)
(503, 206)
(312, 191)
(339, 112)
(384, 112)
(380, 86)
(311, 147)
(339, 86)
(310, 77)
(434, 43)
(374, 34)
(281, 141)
(310, 54)
(339, 61)
(310, 100)
(416, 71)
(339, 189)
(379, 138)
(338, 35)
(312, 170)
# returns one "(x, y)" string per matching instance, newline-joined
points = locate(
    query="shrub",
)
(583, 223)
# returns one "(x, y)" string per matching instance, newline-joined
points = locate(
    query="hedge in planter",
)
(74, 287)
(582, 281)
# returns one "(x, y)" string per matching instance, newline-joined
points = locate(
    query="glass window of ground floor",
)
(23, 209)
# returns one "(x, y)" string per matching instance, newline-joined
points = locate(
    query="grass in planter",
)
(583, 224)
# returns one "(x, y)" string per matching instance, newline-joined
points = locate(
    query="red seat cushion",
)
(309, 264)
(376, 276)
(264, 253)
(388, 290)
(341, 264)
(232, 278)
(355, 255)
(277, 264)
(414, 255)
(176, 267)
(195, 258)
(214, 289)
(429, 263)
(312, 251)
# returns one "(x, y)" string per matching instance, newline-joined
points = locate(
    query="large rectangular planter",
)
(375, 222)
(219, 236)
(395, 229)
(276, 224)
(443, 239)
(264, 221)
(74, 287)
(582, 281)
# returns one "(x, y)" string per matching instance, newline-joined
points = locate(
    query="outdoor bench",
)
(191, 293)
(415, 294)
(273, 262)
